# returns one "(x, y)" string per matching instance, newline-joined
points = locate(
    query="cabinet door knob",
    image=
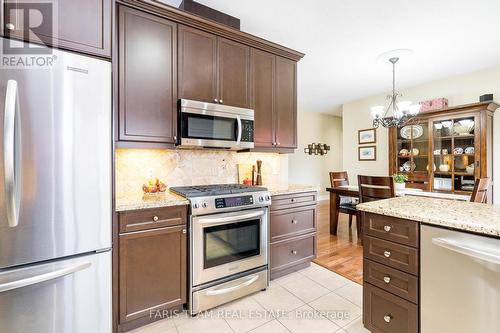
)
(294, 221)
(10, 26)
(184, 231)
(387, 228)
(221, 101)
(155, 218)
(292, 200)
(175, 137)
(294, 252)
(216, 100)
(278, 143)
(387, 279)
(387, 318)
(387, 254)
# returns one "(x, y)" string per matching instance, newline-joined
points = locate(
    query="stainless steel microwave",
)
(207, 125)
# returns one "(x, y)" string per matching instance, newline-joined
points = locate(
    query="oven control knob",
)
(261, 199)
(204, 205)
(196, 205)
(268, 197)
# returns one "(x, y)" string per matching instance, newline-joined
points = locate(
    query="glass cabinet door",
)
(412, 143)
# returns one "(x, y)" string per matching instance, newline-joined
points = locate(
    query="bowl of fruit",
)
(154, 187)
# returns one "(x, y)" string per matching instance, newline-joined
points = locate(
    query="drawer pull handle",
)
(387, 228)
(294, 221)
(184, 231)
(387, 279)
(387, 318)
(293, 200)
(294, 252)
(155, 218)
(387, 254)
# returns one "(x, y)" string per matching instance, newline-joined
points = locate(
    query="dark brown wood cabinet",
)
(213, 69)
(82, 26)
(262, 69)
(152, 263)
(274, 99)
(293, 227)
(147, 76)
(286, 103)
(390, 274)
(197, 65)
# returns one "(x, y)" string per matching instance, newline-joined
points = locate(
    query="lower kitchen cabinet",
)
(152, 270)
(292, 232)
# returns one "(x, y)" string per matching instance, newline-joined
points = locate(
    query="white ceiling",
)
(342, 39)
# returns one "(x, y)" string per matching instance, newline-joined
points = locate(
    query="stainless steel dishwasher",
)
(460, 282)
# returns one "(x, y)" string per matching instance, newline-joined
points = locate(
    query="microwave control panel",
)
(247, 130)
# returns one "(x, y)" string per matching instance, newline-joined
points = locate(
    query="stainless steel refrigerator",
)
(55, 196)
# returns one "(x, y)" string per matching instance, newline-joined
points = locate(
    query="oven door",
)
(228, 243)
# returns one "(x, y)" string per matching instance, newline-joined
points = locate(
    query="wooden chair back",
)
(480, 192)
(373, 188)
(339, 178)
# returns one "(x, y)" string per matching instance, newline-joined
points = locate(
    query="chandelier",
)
(402, 112)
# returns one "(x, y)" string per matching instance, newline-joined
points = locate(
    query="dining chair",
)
(480, 191)
(372, 188)
(347, 205)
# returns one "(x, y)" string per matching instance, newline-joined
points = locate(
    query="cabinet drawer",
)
(384, 312)
(293, 200)
(391, 280)
(292, 222)
(392, 229)
(151, 218)
(391, 254)
(291, 252)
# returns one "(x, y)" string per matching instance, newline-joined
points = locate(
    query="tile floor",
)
(310, 300)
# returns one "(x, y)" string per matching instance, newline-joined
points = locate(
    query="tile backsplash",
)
(192, 167)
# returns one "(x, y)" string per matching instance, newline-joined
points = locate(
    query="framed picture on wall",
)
(368, 153)
(367, 136)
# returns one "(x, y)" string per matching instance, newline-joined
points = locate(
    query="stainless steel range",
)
(227, 243)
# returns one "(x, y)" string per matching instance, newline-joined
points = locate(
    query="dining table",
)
(353, 192)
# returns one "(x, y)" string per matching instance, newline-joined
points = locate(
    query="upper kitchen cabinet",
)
(147, 102)
(262, 68)
(81, 26)
(286, 103)
(197, 65)
(213, 69)
(274, 99)
(234, 69)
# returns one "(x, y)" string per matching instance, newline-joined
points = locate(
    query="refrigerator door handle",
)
(16, 284)
(12, 188)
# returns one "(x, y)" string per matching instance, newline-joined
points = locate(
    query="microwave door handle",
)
(212, 220)
(11, 119)
(240, 130)
(468, 250)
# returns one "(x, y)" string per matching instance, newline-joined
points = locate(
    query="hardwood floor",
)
(342, 254)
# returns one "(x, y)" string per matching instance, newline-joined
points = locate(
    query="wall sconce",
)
(317, 149)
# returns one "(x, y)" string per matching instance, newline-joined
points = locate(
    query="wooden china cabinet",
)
(445, 150)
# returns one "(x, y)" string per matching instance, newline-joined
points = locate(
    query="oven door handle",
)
(233, 288)
(212, 220)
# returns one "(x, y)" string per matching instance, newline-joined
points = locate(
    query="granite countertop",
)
(467, 216)
(136, 200)
(290, 189)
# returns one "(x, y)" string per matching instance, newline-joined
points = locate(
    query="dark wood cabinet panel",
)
(262, 69)
(82, 26)
(152, 271)
(392, 229)
(197, 65)
(292, 222)
(293, 200)
(286, 103)
(391, 254)
(384, 312)
(144, 219)
(147, 77)
(291, 252)
(234, 73)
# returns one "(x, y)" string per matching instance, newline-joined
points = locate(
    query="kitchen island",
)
(428, 261)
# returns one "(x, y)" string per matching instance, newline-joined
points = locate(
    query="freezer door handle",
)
(468, 250)
(10, 134)
(19, 283)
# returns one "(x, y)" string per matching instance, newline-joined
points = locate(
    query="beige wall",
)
(311, 169)
(459, 90)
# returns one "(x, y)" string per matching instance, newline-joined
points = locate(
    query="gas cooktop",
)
(213, 190)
